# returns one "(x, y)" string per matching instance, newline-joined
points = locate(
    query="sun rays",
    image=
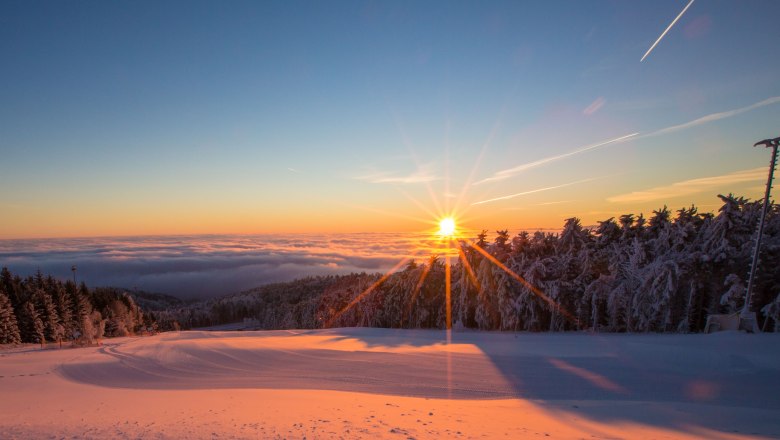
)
(449, 237)
(451, 244)
(446, 227)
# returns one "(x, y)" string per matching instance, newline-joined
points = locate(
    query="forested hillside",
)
(662, 273)
(40, 308)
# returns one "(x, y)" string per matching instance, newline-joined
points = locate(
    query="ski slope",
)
(381, 383)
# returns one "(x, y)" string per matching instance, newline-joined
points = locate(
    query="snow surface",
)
(379, 383)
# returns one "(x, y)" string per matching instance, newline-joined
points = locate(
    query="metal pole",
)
(764, 209)
(73, 269)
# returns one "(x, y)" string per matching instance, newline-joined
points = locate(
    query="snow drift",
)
(566, 385)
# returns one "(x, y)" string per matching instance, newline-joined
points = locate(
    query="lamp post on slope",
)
(774, 143)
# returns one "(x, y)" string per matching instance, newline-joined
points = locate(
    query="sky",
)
(135, 118)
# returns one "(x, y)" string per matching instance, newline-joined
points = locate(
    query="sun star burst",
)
(447, 227)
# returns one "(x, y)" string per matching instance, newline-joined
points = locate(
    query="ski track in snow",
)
(367, 383)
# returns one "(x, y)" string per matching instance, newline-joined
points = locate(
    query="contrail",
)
(667, 30)
(714, 117)
(533, 191)
(505, 174)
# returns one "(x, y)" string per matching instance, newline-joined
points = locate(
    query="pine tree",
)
(573, 237)
(6, 280)
(772, 311)
(734, 297)
(38, 281)
(33, 329)
(501, 246)
(533, 310)
(9, 329)
(82, 311)
(47, 311)
(98, 326)
(594, 309)
(64, 309)
(486, 314)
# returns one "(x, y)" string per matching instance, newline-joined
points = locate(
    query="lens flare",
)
(447, 227)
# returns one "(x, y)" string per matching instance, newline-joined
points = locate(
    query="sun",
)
(447, 227)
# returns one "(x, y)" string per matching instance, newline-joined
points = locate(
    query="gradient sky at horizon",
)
(136, 118)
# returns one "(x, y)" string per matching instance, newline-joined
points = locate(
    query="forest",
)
(41, 309)
(665, 273)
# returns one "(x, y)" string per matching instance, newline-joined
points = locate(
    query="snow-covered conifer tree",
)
(772, 311)
(9, 328)
(33, 329)
(49, 316)
(64, 308)
(486, 313)
(734, 297)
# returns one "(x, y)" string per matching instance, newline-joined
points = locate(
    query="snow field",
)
(380, 383)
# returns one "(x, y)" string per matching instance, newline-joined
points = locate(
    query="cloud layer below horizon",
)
(207, 266)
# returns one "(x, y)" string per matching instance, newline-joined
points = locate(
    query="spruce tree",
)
(6, 280)
(82, 309)
(32, 329)
(64, 309)
(50, 317)
(9, 329)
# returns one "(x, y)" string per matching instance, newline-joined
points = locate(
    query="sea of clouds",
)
(210, 265)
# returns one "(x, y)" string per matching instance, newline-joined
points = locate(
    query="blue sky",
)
(130, 118)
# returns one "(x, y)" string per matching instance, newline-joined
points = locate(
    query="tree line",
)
(41, 309)
(664, 273)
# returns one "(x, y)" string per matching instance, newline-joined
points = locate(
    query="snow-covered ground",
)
(377, 383)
